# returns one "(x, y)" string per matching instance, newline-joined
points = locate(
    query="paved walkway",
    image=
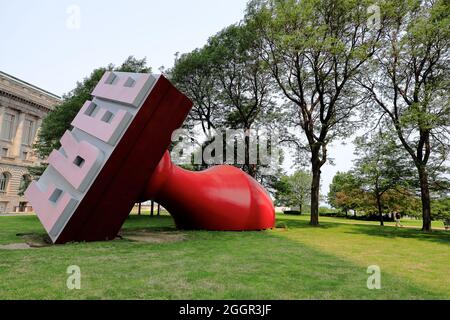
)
(16, 214)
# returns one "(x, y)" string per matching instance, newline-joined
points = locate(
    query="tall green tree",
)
(314, 49)
(294, 190)
(193, 74)
(408, 84)
(229, 84)
(58, 120)
(441, 209)
(345, 192)
(244, 80)
(402, 200)
(380, 166)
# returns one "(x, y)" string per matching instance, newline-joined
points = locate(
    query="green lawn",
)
(405, 222)
(297, 262)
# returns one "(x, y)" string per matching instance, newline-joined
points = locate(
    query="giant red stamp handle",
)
(114, 156)
(220, 198)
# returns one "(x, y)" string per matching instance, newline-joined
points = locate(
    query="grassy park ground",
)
(293, 261)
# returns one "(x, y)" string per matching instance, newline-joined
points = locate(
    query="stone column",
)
(17, 141)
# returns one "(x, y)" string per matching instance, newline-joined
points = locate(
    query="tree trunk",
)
(300, 208)
(425, 197)
(151, 209)
(315, 189)
(380, 210)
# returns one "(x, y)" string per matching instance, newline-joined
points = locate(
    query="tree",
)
(345, 192)
(402, 200)
(193, 74)
(294, 190)
(314, 49)
(229, 85)
(58, 120)
(441, 210)
(380, 166)
(244, 79)
(408, 84)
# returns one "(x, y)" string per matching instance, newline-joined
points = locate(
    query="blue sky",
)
(38, 45)
(41, 42)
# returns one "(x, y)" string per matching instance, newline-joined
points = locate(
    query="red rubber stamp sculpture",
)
(116, 154)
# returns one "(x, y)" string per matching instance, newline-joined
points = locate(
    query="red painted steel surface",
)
(117, 187)
(220, 198)
(139, 168)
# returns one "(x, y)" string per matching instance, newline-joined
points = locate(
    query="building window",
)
(24, 155)
(4, 179)
(4, 152)
(8, 126)
(27, 137)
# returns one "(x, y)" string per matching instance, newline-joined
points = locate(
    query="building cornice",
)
(27, 102)
(20, 90)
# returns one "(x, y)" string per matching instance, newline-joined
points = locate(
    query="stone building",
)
(22, 107)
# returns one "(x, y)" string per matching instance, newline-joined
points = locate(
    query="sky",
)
(55, 43)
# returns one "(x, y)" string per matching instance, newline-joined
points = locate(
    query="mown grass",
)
(416, 223)
(296, 262)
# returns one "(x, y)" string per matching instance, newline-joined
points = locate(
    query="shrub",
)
(293, 212)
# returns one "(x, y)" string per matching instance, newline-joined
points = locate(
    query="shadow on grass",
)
(165, 223)
(152, 223)
(292, 223)
(439, 236)
(306, 272)
(393, 232)
(211, 265)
